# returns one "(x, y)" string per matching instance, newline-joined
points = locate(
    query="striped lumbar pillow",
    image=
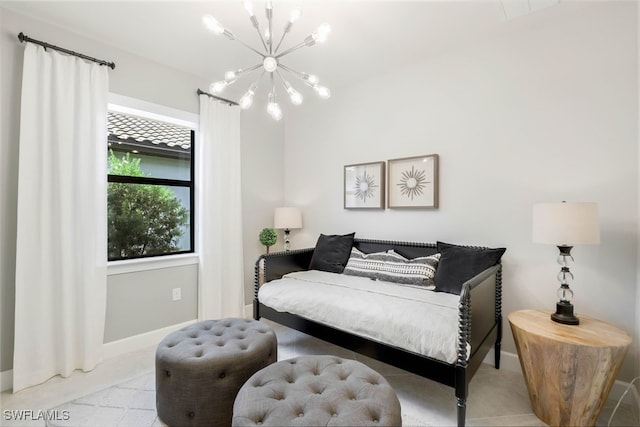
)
(365, 265)
(393, 267)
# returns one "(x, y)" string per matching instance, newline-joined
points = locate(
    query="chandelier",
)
(271, 60)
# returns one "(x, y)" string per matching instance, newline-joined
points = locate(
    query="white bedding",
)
(418, 320)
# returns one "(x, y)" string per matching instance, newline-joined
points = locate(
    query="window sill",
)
(155, 263)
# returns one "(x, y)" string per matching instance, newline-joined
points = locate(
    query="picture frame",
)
(413, 182)
(364, 186)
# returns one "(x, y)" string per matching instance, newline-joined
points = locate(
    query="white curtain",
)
(61, 232)
(221, 275)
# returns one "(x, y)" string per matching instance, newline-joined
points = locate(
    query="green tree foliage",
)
(268, 237)
(143, 219)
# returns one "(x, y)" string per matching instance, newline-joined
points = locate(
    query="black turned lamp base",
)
(564, 314)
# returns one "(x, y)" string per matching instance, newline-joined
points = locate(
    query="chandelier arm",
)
(273, 86)
(306, 78)
(283, 81)
(292, 71)
(291, 49)
(284, 33)
(269, 14)
(249, 47)
(280, 42)
(250, 69)
(256, 25)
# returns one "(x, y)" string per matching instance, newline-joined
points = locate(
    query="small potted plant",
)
(268, 237)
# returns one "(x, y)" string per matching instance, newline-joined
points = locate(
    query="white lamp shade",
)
(566, 224)
(287, 218)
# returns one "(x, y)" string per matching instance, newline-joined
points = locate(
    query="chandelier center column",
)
(270, 64)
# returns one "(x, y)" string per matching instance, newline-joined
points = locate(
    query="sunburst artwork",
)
(364, 186)
(413, 182)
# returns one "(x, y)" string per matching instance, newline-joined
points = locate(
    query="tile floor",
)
(497, 397)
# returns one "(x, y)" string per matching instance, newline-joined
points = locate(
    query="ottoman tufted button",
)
(191, 414)
(222, 375)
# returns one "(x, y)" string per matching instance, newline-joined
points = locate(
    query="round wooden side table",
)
(569, 370)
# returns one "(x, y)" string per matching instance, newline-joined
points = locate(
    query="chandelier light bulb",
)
(295, 15)
(247, 99)
(322, 92)
(322, 33)
(310, 79)
(295, 96)
(212, 24)
(218, 87)
(248, 6)
(274, 110)
(230, 76)
(268, 5)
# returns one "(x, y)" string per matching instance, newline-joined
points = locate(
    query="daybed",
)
(472, 309)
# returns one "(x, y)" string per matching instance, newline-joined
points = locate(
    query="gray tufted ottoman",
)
(317, 391)
(200, 368)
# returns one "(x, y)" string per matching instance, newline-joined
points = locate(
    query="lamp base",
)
(564, 314)
(287, 243)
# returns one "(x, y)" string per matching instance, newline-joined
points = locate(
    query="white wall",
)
(128, 294)
(543, 109)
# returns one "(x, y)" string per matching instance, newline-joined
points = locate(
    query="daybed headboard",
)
(406, 249)
(299, 259)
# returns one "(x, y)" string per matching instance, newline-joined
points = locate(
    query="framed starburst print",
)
(413, 182)
(364, 186)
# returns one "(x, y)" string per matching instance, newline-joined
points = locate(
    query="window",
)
(150, 187)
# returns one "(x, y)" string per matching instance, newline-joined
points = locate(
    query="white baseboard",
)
(138, 342)
(6, 380)
(248, 311)
(508, 361)
(115, 348)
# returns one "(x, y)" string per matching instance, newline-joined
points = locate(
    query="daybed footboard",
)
(275, 265)
(479, 324)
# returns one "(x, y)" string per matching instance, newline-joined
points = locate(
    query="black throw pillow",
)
(459, 264)
(331, 253)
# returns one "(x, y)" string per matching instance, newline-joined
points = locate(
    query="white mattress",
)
(418, 320)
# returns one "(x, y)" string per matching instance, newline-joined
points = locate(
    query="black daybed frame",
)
(485, 315)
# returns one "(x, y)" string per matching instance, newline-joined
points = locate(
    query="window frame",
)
(145, 110)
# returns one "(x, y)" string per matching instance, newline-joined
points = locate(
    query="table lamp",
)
(565, 225)
(287, 219)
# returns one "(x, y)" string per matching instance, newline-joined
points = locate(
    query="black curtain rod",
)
(25, 38)
(201, 92)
